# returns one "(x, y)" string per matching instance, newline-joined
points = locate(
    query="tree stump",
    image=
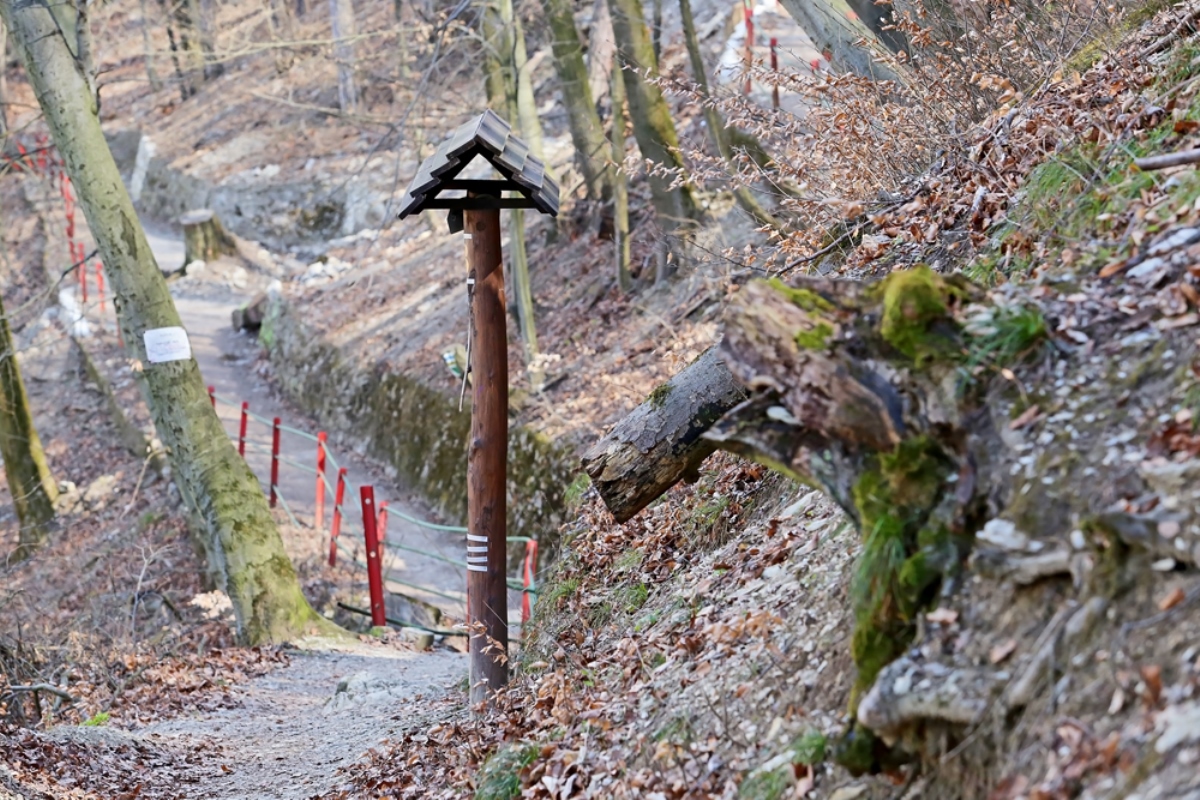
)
(204, 238)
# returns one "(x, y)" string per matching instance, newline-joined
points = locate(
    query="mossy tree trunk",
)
(28, 477)
(233, 524)
(587, 133)
(715, 124)
(652, 124)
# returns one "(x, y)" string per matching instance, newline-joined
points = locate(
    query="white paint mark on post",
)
(167, 344)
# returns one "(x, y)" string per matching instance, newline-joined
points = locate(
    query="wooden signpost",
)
(475, 210)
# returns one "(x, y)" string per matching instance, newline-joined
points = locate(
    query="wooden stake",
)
(487, 458)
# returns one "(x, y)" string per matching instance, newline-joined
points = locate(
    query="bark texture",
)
(836, 29)
(341, 17)
(660, 441)
(652, 123)
(232, 522)
(30, 483)
(621, 249)
(587, 133)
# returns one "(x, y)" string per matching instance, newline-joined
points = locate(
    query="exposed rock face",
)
(304, 209)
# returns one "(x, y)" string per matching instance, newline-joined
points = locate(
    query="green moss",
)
(632, 597)
(915, 320)
(96, 721)
(805, 299)
(500, 776)
(766, 785)
(856, 751)
(810, 748)
(576, 490)
(903, 555)
(658, 397)
(815, 338)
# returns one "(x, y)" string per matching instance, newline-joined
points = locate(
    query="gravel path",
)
(297, 725)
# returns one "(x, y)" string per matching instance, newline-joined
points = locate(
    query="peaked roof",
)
(490, 136)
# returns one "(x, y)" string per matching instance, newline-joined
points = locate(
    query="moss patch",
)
(903, 554)
(916, 321)
(500, 776)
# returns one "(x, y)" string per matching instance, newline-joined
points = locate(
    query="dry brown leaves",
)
(582, 723)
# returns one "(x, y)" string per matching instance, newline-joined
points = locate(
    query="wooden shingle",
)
(490, 136)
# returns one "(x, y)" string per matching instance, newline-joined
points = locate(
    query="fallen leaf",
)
(1172, 599)
(1002, 651)
(1027, 416)
(1152, 675)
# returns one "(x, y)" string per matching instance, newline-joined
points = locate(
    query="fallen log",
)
(659, 443)
(1167, 160)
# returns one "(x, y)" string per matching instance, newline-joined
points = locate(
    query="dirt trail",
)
(297, 725)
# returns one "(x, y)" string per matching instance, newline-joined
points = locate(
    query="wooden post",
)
(487, 457)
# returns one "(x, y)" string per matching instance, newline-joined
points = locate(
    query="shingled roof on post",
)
(491, 137)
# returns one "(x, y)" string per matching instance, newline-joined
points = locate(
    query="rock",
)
(195, 268)
(250, 316)
(69, 500)
(848, 792)
(1003, 534)
(100, 491)
(362, 687)
(238, 278)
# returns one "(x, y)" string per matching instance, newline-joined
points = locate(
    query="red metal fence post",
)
(100, 282)
(381, 527)
(374, 564)
(320, 499)
(274, 460)
(212, 396)
(336, 526)
(530, 558)
(242, 429)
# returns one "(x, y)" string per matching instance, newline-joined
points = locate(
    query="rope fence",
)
(43, 160)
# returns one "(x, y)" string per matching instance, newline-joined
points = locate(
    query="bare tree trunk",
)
(510, 87)
(341, 16)
(836, 29)
(601, 49)
(620, 182)
(30, 483)
(84, 48)
(582, 118)
(233, 524)
(148, 48)
(205, 12)
(3, 79)
(176, 16)
(652, 124)
(714, 122)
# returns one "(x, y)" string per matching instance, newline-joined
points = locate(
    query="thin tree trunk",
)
(509, 87)
(3, 79)
(233, 524)
(341, 15)
(656, 29)
(652, 124)
(30, 483)
(179, 54)
(587, 133)
(620, 182)
(715, 124)
(205, 12)
(600, 51)
(401, 38)
(148, 48)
